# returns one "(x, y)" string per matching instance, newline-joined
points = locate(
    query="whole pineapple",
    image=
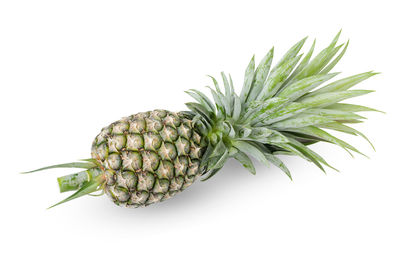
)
(149, 157)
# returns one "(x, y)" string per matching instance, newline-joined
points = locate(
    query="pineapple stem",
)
(84, 182)
(74, 181)
(87, 188)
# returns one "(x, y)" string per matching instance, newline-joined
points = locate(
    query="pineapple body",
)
(148, 157)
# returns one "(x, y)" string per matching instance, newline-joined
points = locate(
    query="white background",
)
(68, 68)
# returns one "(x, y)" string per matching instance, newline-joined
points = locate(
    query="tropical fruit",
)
(149, 157)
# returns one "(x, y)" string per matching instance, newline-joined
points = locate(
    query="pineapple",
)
(149, 157)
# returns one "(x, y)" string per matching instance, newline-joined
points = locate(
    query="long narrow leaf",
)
(219, 103)
(206, 156)
(251, 150)
(301, 120)
(215, 84)
(346, 129)
(81, 165)
(261, 75)
(245, 161)
(315, 131)
(277, 78)
(299, 88)
(343, 84)
(303, 152)
(335, 61)
(237, 108)
(87, 188)
(306, 59)
(321, 60)
(274, 160)
(351, 108)
(201, 98)
(326, 99)
(228, 95)
(291, 53)
(257, 111)
(310, 152)
(218, 162)
(199, 109)
(248, 80)
(284, 113)
(211, 174)
(334, 114)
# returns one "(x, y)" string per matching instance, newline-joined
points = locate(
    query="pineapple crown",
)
(279, 111)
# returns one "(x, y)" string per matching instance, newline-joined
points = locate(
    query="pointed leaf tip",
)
(81, 165)
(87, 188)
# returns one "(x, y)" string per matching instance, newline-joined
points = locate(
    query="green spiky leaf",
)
(87, 188)
(245, 161)
(80, 165)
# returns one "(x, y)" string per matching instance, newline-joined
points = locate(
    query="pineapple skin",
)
(148, 157)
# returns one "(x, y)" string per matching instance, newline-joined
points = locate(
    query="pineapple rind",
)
(151, 155)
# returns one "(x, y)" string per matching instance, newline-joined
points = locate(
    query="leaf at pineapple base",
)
(87, 188)
(81, 165)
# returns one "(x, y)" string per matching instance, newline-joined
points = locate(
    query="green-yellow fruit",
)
(148, 157)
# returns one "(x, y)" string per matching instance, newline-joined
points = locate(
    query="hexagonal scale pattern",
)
(151, 156)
